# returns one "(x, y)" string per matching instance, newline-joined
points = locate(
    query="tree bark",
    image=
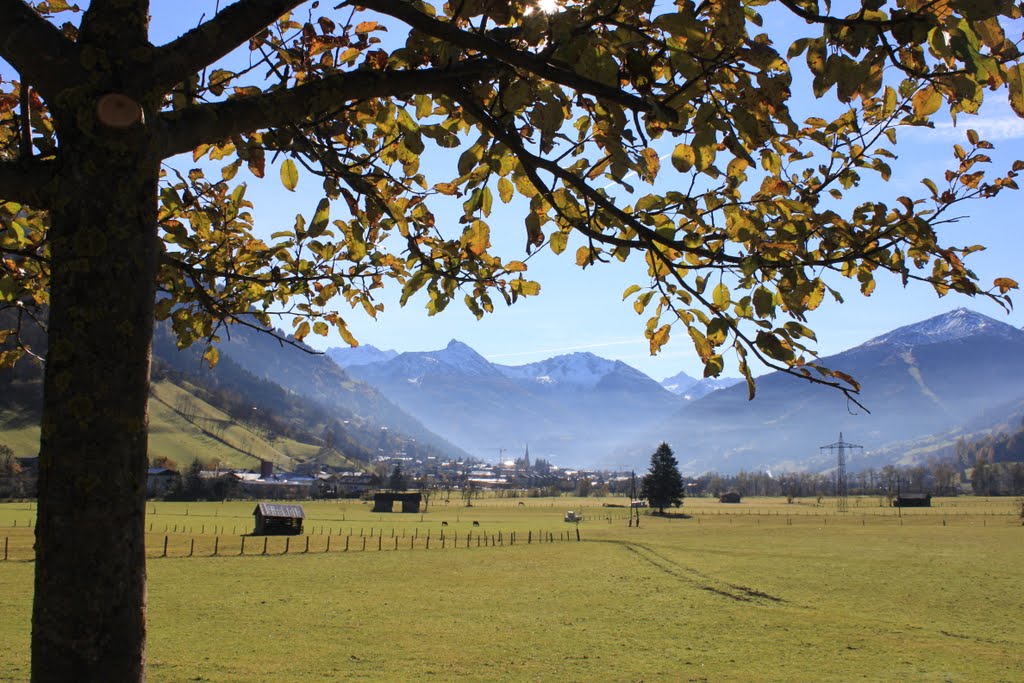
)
(88, 621)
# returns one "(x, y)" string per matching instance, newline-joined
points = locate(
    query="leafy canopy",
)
(565, 115)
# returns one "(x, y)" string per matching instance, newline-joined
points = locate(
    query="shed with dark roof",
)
(912, 500)
(274, 519)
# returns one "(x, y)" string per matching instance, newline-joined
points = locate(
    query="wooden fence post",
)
(6, 540)
(216, 545)
(264, 545)
(346, 544)
(192, 547)
(165, 547)
(287, 544)
(307, 545)
(364, 543)
(529, 537)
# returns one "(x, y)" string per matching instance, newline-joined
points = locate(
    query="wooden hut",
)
(385, 501)
(730, 497)
(912, 500)
(273, 519)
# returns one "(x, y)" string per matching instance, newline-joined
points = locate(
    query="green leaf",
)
(1015, 78)
(926, 102)
(701, 344)
(289, 174)
(476, 238)
(505, 190)
(525, 287)
(413, 285)
(764, 302)
(721, 296)
(321, 218)
(559, 240)
(683, 158)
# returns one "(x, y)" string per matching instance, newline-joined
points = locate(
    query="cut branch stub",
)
(116, 110)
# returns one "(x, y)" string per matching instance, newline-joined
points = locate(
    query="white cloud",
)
(999, 123)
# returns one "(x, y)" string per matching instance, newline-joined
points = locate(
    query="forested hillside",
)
(996, 462)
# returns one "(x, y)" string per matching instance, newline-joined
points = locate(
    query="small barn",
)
(160, 480)
(730, 497)
(385, 501)
(912, 500)
(274, 519)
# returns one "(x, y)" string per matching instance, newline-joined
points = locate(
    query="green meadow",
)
(761, 591)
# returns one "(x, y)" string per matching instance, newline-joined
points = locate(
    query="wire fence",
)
(182, 545)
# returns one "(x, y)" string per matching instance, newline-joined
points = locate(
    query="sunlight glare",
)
(549, 6)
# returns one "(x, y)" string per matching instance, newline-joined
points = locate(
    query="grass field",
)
(761, 591)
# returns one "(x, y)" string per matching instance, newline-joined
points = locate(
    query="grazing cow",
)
(522, 503)
(444, 523)
(476, 523)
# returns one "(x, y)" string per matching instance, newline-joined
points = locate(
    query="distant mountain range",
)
(924, 384)
(571, 408)
(924, 379)
(347, 356)
(692, 388)
(300, 371)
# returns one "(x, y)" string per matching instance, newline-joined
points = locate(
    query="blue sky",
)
(583, 310)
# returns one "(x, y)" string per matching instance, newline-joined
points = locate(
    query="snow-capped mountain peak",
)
(364, 354)
(578, 370)
(959, 324)
(678, 383)
(463, 357)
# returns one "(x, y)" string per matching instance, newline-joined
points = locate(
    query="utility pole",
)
(632, 500)
(840, 447)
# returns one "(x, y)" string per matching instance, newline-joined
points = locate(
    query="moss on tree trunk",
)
(88, 621)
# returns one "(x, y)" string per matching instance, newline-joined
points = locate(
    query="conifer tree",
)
(396, 482)
(663, 485)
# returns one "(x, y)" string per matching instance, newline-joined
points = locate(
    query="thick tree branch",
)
(27, 181)
(37, 49)
(188, 128)
(117, 26)
(536, 64)
(234, 25)
(856, 22)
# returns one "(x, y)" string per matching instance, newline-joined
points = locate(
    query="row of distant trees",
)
(994, 465)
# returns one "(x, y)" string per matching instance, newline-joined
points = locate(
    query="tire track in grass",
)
(696, 578)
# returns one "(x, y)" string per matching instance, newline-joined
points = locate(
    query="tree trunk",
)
(89, 614)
